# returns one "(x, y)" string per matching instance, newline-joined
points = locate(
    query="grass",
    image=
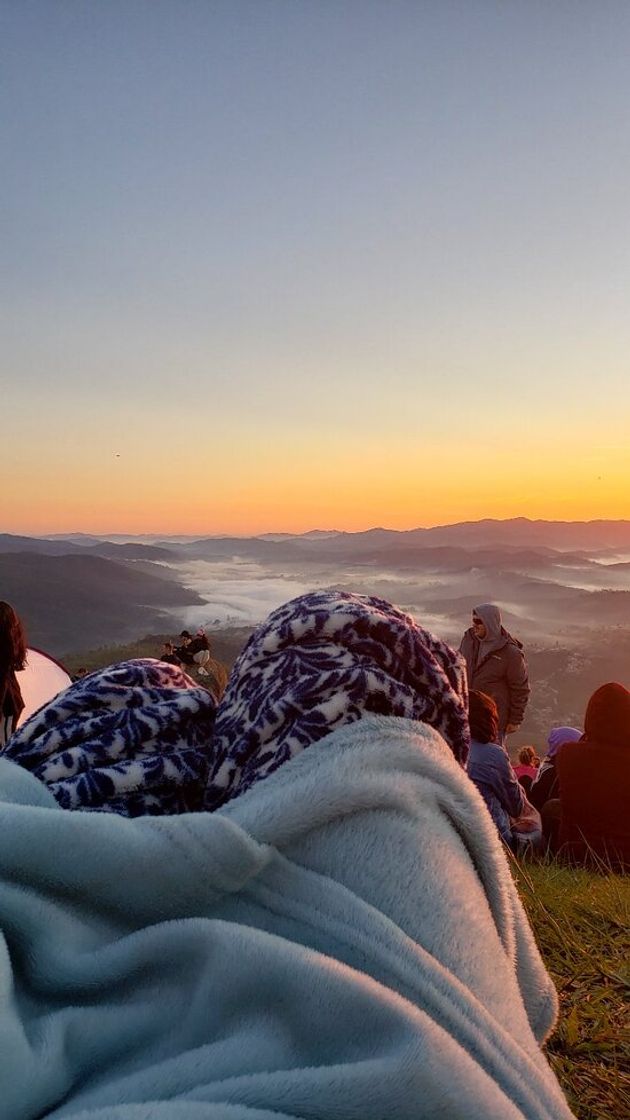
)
(582, 925)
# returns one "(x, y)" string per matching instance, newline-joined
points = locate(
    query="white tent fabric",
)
(42, 679)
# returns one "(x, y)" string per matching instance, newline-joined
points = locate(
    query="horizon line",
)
(46, 534)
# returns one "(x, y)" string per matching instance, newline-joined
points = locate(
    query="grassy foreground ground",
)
(582, 924)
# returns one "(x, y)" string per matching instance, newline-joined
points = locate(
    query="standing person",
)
(12, 659)
(496, 665)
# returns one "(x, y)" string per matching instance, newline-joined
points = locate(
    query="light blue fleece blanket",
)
(343, 941)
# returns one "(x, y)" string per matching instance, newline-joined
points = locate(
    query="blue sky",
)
(344, 250)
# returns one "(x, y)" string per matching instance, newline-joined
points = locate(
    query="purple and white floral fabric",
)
(141, 737)
(131, 739)
(321, 661)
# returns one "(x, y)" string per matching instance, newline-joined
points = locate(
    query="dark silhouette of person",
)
(594, 781)
(12, 660)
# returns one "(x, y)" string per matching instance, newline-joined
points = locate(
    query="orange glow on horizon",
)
(248, 492)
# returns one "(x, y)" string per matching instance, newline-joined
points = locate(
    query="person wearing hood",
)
(496, 665)
(594, 783)
(544, 788)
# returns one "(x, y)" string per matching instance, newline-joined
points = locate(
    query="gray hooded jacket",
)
(496, 665)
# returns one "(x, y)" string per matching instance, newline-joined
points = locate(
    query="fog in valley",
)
(570, 609)
(563, 588)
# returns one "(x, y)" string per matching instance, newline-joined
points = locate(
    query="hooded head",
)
(607, 718)
(560, 735)
(490, 616)
(483, 718)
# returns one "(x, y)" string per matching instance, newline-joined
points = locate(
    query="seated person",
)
(527, 768)
(489, 766)
(544, 787)
(183, 651)
(594, 780)
(199, 648)
(338, 936)
(168, 654)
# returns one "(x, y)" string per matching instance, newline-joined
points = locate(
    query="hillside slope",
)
(77, 602)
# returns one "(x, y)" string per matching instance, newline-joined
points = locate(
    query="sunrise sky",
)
(285, 264)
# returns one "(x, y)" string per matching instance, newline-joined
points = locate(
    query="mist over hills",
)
(563, 587)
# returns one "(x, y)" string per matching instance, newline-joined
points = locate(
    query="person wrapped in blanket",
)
(292, 904)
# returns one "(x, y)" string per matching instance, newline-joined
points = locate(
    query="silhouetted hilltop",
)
(379, 545)
(75, 602)
(130, 550)
(11, 543)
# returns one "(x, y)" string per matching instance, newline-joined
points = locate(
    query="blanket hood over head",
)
(343, 941)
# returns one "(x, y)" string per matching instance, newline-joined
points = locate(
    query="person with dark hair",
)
(183, 650)
(489, 766)
(496, 666)
(594, 783)
(12, 660)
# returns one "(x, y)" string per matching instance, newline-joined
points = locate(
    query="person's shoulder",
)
(489, 752)
(513, 645)
(500, 754)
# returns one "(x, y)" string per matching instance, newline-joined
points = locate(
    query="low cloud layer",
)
(242, 592)
(237, 593)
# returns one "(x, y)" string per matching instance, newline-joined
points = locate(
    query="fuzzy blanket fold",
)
(342, 941)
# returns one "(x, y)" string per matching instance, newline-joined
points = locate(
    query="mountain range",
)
(563, 587)
(554, 580)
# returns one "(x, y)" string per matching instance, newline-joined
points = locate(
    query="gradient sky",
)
(292, 263)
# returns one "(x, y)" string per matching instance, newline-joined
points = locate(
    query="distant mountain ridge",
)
(377, 545)
(549, 577)
(517, 531)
